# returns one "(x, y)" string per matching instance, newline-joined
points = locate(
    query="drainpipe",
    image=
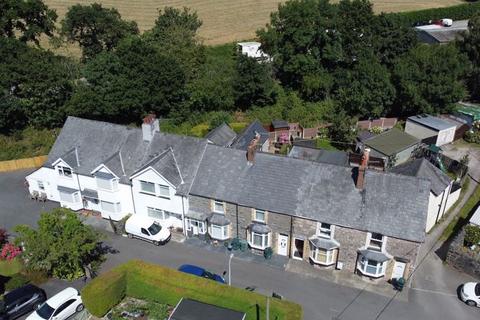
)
(291, 238)
(183, 218)
(133, 199)
(338, 255)
(79, 190)
(440, 207)
(236, 212)
(445, 206)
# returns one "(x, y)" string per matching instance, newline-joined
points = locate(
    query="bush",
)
(267, 253)
(238, 126)
(3, 237)
(472, 235)
(10, 267)
(167, 286)
(16, 281)
(9, 251)
(200, 130)
(472, 136)
(27, 143)
(459, 12)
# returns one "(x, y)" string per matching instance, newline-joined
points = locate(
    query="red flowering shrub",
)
(9, 252)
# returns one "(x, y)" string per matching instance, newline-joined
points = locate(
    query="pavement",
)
(458, 149)
(433, 294)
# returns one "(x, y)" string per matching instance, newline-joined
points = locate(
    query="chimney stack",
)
(252, 148)
(362, 168)
(150, 125)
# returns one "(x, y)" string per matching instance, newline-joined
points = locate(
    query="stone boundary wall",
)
(462, 258)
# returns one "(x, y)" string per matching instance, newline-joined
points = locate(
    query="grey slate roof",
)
(390, 204)
(259, 228)
(70, 157)
(202, 216)
(222, 135)
(165, 164)
(422, 168)
(323, 243)
(218, 219)
(245, 137)
(101, 142)
(324, 156)
(374, 255)
(276, 124)
(188, 309)
(432, 122)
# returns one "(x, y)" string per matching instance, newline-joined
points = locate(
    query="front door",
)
(282, 246)
(194, 227)
(298, 249)
(398, 270)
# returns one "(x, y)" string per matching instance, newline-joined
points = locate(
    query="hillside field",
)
(226, 20)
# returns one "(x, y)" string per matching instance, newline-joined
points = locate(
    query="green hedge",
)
(458, 12)
(104, 292)
(168, 286)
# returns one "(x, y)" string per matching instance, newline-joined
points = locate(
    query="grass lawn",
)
(325, 144)
(9, 268)
(464, 213)
(225, 20)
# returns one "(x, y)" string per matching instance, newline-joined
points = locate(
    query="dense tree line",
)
(330, 61)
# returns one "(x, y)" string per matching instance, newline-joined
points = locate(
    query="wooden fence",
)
(17, 164)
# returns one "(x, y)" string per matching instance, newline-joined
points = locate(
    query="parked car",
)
(200, 272)
(20, 301)
(470, 293)
(59, 307)
(145, 228)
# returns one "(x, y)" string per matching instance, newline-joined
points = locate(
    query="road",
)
(433, 296)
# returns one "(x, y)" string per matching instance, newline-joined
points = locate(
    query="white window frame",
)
(116, 206)
(75, 197)
(146, 191)
(214, 206)
(113, 184)
(255, 217)
(200, 224)
(61, 171)
(162, 214)
(163, 187)
(376, 247)
(363, 264)
(224, 232)
(265, 239)
(329, 255)
(324, 232)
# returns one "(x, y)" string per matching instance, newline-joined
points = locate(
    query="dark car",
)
(200, 272)
(20, 301)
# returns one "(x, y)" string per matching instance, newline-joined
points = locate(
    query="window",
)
(218, 206)
(322, 256)
(145, 232)
(41, 186)
(107, 184)
(69, 197)
(110, 206)
(259, 215)
(159, 213)
(259, 240)
(219, 232)
(198, 225)
(324, 230)
(64, 171)
(376, 241)
(371, 267)
(147, 187)
(164, 191)
(64, 306)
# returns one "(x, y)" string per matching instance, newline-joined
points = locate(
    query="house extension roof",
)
(391, 142)
(431, 122)
(319, 155)
(222, 135)
(390, 204)
(245, 137)
(422, 168)
(277, 124)
(434, 33)
(110, 144)
(188, 309)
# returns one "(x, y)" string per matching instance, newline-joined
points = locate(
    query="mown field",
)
(226, 20)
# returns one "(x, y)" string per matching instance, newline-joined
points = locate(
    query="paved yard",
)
(433, 296)
(460, 148)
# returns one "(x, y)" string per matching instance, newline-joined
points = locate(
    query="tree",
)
(366, 90)
(124, 85)
(61, 246)
(34, 86)
(253, 84)
(26, 19)
(429, 79)
(470, 45)
(96, 28)
(342, 130)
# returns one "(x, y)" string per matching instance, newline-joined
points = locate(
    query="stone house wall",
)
(462, 258)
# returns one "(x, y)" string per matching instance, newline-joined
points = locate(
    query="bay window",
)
(218, 232)
(322, 256)
(371, 267)
(323, 251)
(259, 240)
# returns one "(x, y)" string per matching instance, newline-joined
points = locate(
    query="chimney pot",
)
(361, 169)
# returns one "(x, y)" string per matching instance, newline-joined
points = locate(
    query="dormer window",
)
(106, 181)
(218, 206)
(376, 241)
(325, 230)
(64, 171)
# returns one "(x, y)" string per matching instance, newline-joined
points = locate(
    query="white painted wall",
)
(143, 201)
(442, 201)
(453, 198)
(445, 136)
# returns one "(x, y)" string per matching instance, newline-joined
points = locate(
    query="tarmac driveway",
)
(458, 149)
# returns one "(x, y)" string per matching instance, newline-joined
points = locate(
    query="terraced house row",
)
(370, 222)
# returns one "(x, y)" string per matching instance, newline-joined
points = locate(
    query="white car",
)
(145, 228)
(59, 307)
(470, 293)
